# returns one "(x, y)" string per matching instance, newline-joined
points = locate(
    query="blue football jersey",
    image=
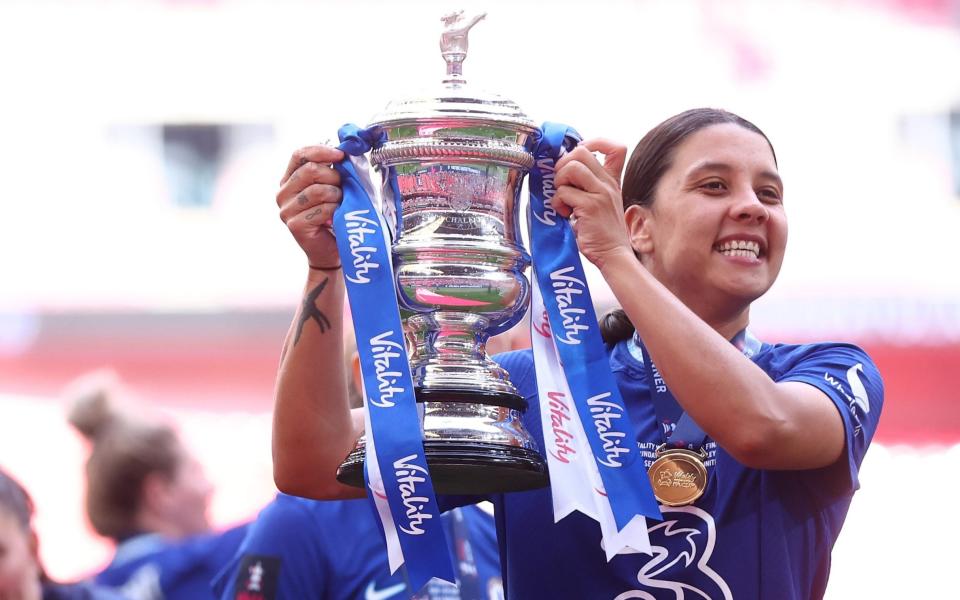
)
(753, 535)
(334, 550)
(79, 591)
(147, 567)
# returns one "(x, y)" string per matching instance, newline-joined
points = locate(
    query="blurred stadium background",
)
(141, 142)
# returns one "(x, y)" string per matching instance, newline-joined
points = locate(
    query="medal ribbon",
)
(576, 338)
(677, 428)
(395, 468)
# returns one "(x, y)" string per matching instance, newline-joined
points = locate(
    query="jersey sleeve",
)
(852, 382)
(279, 557)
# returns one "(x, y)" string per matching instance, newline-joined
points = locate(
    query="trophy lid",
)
(455, 100)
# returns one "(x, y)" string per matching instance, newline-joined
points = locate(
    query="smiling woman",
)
(753, 449)
(721, 195)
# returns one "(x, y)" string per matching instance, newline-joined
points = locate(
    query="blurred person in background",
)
(332, 550)
(149, 495)
(305, 549)
(22, 577)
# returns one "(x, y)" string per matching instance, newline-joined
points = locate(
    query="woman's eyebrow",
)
(708, 166)
(774, 177)
(699, 168)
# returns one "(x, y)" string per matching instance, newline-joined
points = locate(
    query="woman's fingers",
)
(309, 198)
(572, 201)
(309, 194)
(313, 221)
(575, 184)
(588, 193)
(580, 155)
(560, 204)
(304, 176)
(579, 175)
(614, 155)
(311, 154)
(583, 184)
(578, 185)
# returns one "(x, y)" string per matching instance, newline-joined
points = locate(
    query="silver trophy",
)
(459, 159)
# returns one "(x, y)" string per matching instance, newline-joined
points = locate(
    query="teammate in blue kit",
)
(149, 567)
(147, 494)
(301, 548)
(696, 234)
(309, 549)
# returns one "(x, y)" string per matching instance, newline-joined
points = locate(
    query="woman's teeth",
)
(739, 248)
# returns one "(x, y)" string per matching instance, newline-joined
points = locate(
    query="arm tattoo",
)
(310, 311)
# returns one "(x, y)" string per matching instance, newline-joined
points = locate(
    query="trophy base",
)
(487, 397)
(473, 468)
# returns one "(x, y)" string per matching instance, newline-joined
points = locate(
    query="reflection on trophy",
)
(458, 159)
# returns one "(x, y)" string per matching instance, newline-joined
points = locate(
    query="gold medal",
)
(678, 476)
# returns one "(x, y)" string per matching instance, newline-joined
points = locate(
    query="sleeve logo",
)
(257, 578)
(860, 397)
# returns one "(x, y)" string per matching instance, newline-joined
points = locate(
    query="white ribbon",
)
(574, 478)
(394, 550)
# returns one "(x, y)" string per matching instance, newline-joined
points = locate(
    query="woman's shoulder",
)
(515, 359)
(522, 360)
(829, 361)
(519, 364)
(785, 354)
(294, 510)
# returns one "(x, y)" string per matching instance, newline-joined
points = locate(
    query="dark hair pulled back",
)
(126, 449)
(651, 158)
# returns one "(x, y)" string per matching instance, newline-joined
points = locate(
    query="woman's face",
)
(717, 231)
(19, 570)
(188, 498)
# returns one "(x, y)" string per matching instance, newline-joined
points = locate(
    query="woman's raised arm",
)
(703, 300)
(313, 426)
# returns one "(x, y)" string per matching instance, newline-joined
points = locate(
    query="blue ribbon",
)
(677, 428)
(563, 285)
(365, 254)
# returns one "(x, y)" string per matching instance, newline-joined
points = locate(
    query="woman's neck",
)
(726, 314)
(725, 323)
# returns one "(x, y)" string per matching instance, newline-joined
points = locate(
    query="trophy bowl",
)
(455, 162)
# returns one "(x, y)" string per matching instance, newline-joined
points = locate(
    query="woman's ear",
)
(33, 544)
(639, 228)
(155, 494)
